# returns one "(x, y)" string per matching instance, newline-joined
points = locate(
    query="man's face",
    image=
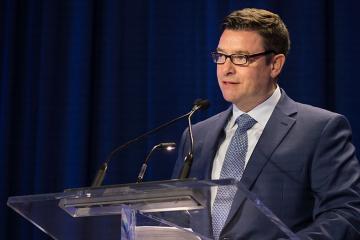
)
(245, 86)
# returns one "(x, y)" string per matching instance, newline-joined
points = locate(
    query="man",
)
(298, 159)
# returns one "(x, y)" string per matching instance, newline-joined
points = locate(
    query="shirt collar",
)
(262, 112)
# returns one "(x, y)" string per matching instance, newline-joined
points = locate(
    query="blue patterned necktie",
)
(233, 167)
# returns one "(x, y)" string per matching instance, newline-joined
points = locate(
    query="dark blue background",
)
(80, 77)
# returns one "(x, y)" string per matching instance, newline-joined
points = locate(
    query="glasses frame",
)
(246, 56)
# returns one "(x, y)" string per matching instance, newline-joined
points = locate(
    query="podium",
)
(173, 209)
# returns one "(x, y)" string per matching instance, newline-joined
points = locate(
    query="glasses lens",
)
(239, 59)
(218, 57)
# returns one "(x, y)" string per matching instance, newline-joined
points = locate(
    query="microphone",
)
(99, 178)
(167, 146)
(202, 104)
(185, 171)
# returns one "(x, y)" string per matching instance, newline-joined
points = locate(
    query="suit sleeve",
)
(335, 181)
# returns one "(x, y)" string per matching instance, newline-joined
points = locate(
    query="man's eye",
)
(238, 57)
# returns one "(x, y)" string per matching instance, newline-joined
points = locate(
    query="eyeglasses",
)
(237, 59)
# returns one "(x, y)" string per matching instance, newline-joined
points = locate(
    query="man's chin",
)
(232, 100)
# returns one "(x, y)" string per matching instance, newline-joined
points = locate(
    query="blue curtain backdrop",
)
(80, 77)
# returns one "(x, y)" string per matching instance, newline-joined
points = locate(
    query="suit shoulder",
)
(213, 119)
(316, 114)
(304, 111)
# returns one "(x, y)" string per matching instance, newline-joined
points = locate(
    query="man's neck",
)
(248, 106)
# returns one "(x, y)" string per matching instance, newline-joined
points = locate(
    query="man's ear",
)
(277, 64)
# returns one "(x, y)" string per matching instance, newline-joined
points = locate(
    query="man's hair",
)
(267, 24)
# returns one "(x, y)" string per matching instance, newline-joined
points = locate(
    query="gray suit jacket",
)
(304, 168)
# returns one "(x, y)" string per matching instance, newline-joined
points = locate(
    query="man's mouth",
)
(229, 82)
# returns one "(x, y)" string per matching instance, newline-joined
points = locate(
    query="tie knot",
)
(245, 122)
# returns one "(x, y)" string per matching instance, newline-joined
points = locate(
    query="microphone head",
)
(201, 104)
(168, 146)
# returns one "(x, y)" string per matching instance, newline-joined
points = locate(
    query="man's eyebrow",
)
(236, 52)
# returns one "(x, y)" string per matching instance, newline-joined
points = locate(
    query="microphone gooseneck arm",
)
(199, 105)
(190, 132)
(100, 175)
(168, 146)
(185, 171)
(98, 180)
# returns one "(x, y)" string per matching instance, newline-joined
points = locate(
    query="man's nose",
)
(228, 67)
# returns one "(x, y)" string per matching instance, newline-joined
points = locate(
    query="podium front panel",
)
(174, 209)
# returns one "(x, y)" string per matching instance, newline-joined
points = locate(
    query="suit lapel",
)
(203, 165)
(212, 139)
(275, 130)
